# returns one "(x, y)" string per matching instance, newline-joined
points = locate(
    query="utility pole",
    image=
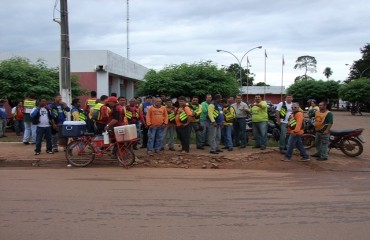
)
(65, 64)
(128, 30)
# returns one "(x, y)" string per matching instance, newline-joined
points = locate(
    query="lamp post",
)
(240, 63)
(361, 73)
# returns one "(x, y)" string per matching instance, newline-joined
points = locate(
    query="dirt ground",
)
(247, 158)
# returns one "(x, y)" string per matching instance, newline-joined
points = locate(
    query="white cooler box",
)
(125, 133)
(72, 128)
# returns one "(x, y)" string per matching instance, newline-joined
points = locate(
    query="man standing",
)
(171, 127)
(204, 122)
(183, 128)
(77, 113)
(227, 128)
(215, 121)
(2, 119)
(100, 114)
(323, 124)
(116, 115)
(42, 117)
(18, 112)
(283, 111)
(259, 122)
(144, 109)
(90, 103)
(240, 131)
(29, 128)
(196, 108)
(156, 120)
(60, 110)
(134, 116)
(295, 128)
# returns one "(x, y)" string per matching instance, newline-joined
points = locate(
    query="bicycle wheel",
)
(128, 155)
(308, 141)
(80, 153)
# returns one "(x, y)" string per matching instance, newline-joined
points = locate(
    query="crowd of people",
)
(218, 124)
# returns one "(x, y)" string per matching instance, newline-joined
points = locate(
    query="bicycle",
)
(83, 150)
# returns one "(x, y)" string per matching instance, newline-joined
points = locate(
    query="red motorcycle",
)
(349, 141)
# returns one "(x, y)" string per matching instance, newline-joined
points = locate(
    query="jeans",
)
(145, 135)
(227, 133)
(240, 132)
(203, 135)
(260, 133)
(283, 137)
(29, 131)
(322, 144)
(214, 136)
(3, 123)
(42, 132)
(169, 136)
(295, 140)
(18, 126)
(183, 133)
(198, 134)
(155, 138)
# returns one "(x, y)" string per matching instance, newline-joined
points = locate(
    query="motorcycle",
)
(349, 141)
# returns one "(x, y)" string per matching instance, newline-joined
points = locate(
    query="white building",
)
(100, 70)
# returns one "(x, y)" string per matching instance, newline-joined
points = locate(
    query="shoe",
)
(37, 153)
(256, 147)
(162, 149)
(55, 150)
(321, 159)
(183, 151)
(229, 149)
(213, 152)
(32, 143)
(26, 143)
(150, 153)
(263, 147)
(304, 159)
(286, 160)
(219, 150)
(315, 155)
(200, 148)
(171, 149)
(242, 146)
(225, 148)
(50, 152)
(4, 135)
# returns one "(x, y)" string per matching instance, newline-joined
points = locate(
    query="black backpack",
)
(36, 119)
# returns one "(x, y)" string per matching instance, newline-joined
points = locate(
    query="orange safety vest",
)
(319, 120)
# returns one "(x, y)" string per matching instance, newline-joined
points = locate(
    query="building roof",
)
(263, 89)
(87, 61)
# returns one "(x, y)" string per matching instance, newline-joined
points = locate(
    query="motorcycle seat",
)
(344, 132)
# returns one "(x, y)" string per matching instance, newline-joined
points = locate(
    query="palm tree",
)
(327, 72)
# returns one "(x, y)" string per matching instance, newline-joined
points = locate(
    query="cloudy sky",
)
(165, 32)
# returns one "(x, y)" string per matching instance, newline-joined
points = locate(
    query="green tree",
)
(361, 67)
(327, 72)
(356, 91)
(20, 78)
(196, 79)
(261, 84)
(308, 63)
(318, 90)
(247, 76)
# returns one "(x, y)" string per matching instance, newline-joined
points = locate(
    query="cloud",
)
(168, 32)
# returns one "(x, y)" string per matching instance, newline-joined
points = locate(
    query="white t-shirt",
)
(289, 111)
(44, 117)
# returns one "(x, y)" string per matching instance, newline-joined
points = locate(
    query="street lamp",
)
(240, 64)
(361, 73)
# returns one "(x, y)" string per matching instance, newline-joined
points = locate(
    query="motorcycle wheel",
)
(308, 141)
(351, 147)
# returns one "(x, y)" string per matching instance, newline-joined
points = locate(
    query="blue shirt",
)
(2, 113)
(59, 113)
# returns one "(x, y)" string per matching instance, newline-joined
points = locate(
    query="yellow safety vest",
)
(91, 102)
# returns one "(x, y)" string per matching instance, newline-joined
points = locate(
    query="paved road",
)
(113, 203)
